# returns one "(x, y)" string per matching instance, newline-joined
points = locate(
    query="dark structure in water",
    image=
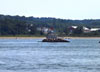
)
(55, 40)
(52, 37)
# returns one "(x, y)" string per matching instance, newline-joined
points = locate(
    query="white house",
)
(74, 27)
(94, 29)
(86, 30)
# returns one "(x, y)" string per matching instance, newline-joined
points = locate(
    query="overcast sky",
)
(66, 9)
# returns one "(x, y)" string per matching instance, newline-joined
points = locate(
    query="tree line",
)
(21, 25)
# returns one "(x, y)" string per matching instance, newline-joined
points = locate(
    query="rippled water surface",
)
(32, 55)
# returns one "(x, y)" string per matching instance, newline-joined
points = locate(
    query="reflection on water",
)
(32, 55)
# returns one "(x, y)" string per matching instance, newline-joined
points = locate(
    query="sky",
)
(65, 9)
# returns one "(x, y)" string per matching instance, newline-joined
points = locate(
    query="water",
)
(32, 55)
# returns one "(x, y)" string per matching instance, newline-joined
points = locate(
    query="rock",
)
(54, 40)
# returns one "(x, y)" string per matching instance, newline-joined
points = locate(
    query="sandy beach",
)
(80, 37)
(22, 37)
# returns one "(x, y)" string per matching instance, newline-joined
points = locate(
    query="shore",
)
(44, 37)
(22, 37)
(80, 37)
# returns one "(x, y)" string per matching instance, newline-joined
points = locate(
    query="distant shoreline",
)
(80, 37)
(21, 37)
(44, 37)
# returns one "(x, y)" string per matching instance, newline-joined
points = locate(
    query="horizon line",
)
(50, 17)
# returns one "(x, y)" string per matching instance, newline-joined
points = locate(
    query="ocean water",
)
(32, 55)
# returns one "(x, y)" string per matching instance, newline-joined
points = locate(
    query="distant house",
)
(86, 30)
(94, 29)
(73, 27)
(43, 29)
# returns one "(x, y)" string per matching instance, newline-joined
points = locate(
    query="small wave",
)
(2, 63)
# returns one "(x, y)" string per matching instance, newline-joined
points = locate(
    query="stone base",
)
(54, 40)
